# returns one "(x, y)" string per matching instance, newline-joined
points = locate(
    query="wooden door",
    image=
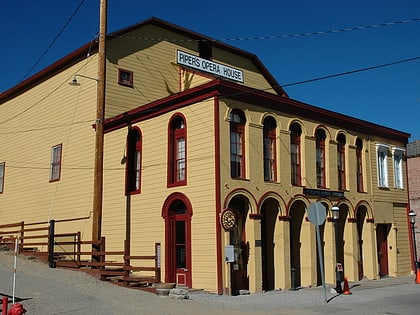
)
(382, 247)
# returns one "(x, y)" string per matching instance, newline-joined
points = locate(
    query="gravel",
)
(44, 290)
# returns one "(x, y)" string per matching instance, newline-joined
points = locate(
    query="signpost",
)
(316, 215)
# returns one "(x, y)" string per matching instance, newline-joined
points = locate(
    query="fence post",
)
(79, 246)
(51, 242)
(22, 234)
(102, 256)
(157, 262)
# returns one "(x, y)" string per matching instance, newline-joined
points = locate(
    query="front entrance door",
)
(177, 214)
(238, 269)
(382, 246)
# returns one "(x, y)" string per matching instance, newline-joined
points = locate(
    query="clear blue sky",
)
(388, 96)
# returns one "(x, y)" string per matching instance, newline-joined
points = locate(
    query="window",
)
(320, 157)
(382, 160)
(55, 166)
(397, 154)
(295, 133)
(341, 164)
(359, 170)
(125, 77)
(2, 169)
(237, 155)
(177, 165)
(133, 166)
(269, 143)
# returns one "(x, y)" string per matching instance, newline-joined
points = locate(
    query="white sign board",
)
(194, 62)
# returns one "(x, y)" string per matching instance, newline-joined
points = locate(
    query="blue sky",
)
(388, 96)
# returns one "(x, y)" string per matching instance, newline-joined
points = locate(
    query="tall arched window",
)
(341, 165)
(133, 166)
(295, 133)
(237, 150)
(269, 149)
(359, 165)
(320, 157)
(177, 164)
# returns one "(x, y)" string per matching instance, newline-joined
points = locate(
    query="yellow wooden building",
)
(206, 154)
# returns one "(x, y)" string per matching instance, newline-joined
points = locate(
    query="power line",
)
(352, 71)
(346, 29)
(53, 41)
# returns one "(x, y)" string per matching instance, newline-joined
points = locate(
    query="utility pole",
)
(100, 116)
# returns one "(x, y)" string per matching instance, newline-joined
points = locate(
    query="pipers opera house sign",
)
(194, 62)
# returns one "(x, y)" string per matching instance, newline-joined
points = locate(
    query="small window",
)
(55, 166)
(133, 166)
(237, 139)
(397, 154)
(2, 167)
(269, 147)
(295, 167)
(341, 161)
(125, 77)
(359, 159)
(320, 158)
(177, 151)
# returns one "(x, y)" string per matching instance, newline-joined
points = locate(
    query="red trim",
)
(370, 220)
(219, 257)
(285, 218)
(352, 220)
(255, 216)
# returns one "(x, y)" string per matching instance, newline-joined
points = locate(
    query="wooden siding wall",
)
(147, 223)
(49, 114)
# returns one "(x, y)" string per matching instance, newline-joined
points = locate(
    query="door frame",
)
(172, 274)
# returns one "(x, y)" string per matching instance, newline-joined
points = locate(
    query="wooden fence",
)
(70, 251)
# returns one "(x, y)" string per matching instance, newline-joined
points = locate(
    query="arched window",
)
(133, 166)
(359, 165)
(237, 150)
(295, 133)
(341, 166)
(177, 164)
(269, 149)
(320, 157)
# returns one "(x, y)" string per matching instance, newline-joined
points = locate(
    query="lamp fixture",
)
(335, 212)
(74, 82)
(412, 216)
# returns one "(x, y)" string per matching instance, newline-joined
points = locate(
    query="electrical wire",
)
(306, 34)
(54, 40)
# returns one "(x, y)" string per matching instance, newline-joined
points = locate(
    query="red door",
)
(382, 246)
(181, 253)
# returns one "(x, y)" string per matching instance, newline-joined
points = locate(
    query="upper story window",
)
(397, 156)
(359, 164)
(237, 140)
(320, 157)
(133, 166)
(177, 164)
(269, 149)
(382, 164)
(2, 169)
(295, 167)
(55, 163)
(341, 164)
(125, 77)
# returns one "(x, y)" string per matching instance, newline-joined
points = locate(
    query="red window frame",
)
(320, 158)
(237, 147)
(2, 175)
(55, 163)
(269, 148)
(359, 165)
(295, 165)
(341, 161)
(177, 151)
(134, 161)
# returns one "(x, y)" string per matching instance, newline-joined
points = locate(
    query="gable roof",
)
(81, 53)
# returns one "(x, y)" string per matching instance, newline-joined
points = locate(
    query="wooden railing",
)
(70, 251)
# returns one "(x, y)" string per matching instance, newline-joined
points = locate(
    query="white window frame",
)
(397, 159)
(382, 164)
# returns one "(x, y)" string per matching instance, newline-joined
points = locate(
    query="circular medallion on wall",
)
(228, 219)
